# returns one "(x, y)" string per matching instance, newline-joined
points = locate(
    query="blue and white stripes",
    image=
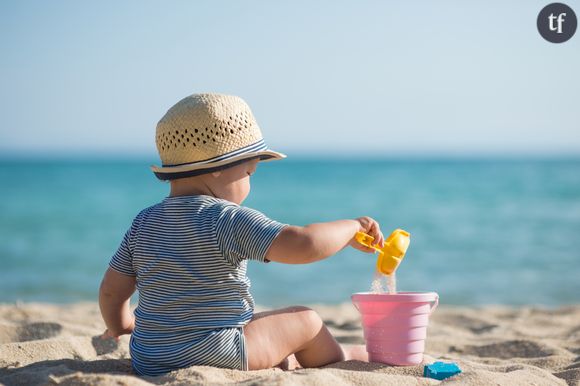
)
(189, 255)
(249, 149)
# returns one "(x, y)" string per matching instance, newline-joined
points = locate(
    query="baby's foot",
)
(289, 363)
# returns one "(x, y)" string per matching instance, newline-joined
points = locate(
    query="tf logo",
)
(557, 22)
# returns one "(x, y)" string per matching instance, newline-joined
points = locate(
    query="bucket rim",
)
(405, 296)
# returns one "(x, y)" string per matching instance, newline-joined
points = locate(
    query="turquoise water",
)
(483, 231)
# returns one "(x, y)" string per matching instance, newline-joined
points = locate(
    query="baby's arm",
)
(114, 296)
(302, 245)
(272, 336)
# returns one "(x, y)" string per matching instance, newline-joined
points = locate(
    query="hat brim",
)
(190, 170)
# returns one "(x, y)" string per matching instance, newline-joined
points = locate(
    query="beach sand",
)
(59, 344)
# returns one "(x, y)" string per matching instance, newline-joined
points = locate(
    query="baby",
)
(187, 255)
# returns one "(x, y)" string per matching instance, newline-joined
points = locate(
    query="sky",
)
(322, 77)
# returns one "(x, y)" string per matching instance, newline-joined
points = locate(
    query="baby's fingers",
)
(356, 245)
(375, 231)
(381, 241)
(371, 227)
(107, 335)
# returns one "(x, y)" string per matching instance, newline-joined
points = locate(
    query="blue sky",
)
(341, 77)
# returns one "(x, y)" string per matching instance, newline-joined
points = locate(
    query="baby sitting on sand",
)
(187, 255)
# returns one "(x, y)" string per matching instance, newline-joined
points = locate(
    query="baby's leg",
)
(351, 352)
(272, 336)
(356, 352)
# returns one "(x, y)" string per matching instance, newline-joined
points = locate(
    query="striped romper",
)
(189, 256)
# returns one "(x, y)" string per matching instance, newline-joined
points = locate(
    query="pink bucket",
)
(395, 326)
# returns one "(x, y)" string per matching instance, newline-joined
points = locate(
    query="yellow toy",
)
(392, 253)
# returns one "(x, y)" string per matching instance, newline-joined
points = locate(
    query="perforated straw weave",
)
(207, 132)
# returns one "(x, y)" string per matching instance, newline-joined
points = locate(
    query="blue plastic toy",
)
(441, 370)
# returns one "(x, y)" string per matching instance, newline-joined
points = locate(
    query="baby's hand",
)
(372, 228)
(109, 335)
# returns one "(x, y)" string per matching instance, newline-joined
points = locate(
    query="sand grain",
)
(47, 344)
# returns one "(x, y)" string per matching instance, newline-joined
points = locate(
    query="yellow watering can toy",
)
(392, 253)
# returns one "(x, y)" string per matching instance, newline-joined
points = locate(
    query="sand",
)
(47, 344)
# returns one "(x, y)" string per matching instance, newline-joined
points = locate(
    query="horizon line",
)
(298, 156)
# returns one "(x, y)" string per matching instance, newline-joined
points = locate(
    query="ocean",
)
(499, 231)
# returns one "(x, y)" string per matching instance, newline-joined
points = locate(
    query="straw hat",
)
(204, 133)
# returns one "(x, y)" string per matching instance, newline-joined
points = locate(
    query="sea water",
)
(56, 242)
(378, 287)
